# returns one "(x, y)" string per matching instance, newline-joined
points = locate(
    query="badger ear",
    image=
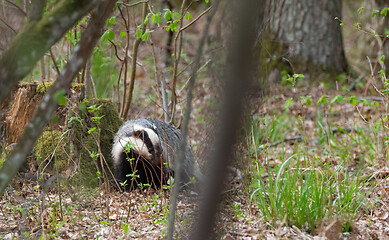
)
(137, 133)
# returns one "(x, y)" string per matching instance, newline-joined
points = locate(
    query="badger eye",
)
(138, 133)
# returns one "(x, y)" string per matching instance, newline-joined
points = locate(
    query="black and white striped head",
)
(142, 134)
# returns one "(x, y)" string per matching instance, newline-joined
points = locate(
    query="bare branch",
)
(17, 7)
(9, 26)
(134, 56)
(196, 19)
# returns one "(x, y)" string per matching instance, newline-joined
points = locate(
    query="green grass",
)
(304, 196)
(315, 180)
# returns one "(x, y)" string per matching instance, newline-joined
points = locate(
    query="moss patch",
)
(51, 151)
(93, 132)
(43, 87)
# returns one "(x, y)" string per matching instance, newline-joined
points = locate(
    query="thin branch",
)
(54, 61)
(195, 20)
(201, 68)
(134, 56)
(177, 57)
(373, 78)
(9, 26)
(17, 7)
(116, 50)
(134, 4)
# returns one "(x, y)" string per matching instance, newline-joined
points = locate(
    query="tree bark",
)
(307, 34)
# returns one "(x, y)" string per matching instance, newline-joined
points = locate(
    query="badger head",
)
(143, 138)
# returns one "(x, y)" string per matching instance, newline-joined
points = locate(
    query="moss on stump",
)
(92, 138)
(51, 151)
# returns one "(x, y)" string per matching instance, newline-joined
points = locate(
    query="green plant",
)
(304, 196)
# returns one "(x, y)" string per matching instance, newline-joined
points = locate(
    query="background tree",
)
(306, 35)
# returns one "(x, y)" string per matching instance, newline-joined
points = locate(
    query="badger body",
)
(151, 154)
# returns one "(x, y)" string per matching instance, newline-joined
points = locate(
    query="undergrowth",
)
(321, 175)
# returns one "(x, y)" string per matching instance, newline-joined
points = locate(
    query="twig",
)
(195, 20)
(135, 46)
(201, 68)
(54, 61)
(161, 83)
(133, 4)
(177, 57)
(6, 24)
(360, 114)
(373, 78)
(291, 139)
(17, 7)
(116, 50)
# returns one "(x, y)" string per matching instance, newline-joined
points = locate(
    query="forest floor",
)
(66, 212)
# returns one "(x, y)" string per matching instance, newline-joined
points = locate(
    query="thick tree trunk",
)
(307, 34)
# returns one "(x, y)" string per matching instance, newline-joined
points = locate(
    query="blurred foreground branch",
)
(50, 101)
(240, 69)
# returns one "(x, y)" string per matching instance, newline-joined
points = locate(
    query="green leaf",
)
(108, 35)
(91, 130)
(176, 15)
(382, 58)
(156, 18)
(71, 119)
(111, 35)
(59, 97)
(123, 34)
(338, 99)
(168, 15)
(341, 24)
(352, 100)
(306, 100)
(146, 21)
(188, 16)
(360, 10)
(298, 75)
(288, 103)
(376, 104)
(366, 102)
(111, 21)
(206, 1)
(384, 11)
(145, 36)
(138, 33)
(322, 100)
(375, 13)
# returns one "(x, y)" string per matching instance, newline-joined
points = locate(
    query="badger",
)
(144, 152)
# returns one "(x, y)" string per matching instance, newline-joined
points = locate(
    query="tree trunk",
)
(306, 34)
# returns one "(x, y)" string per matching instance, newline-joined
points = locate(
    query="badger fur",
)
(154, 146)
